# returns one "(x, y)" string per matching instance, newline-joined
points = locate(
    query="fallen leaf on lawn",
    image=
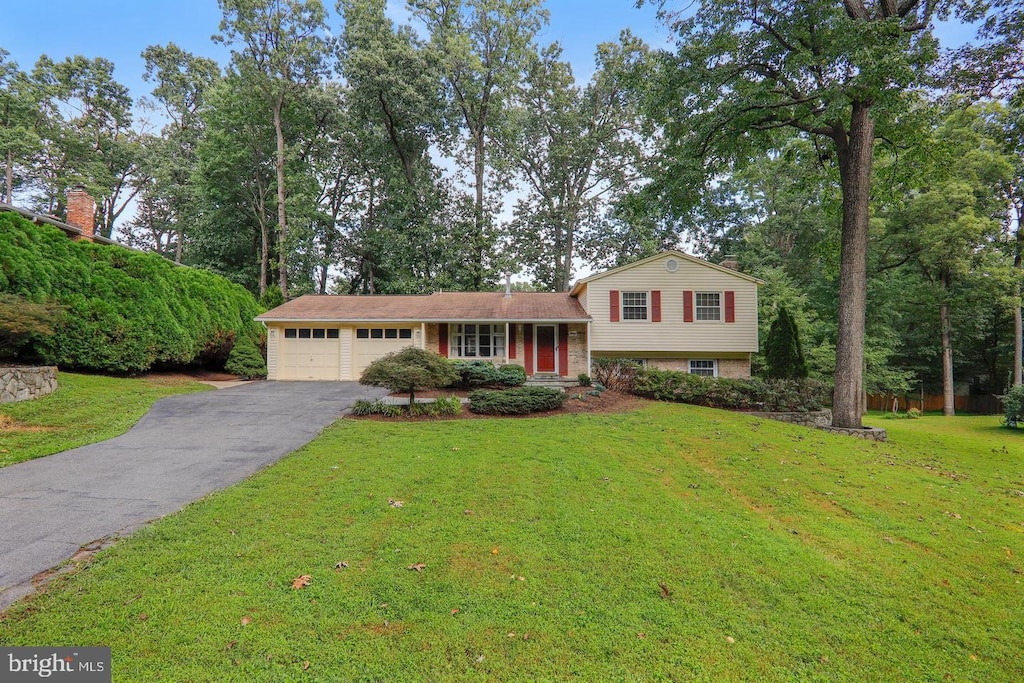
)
(665, 592)
(143, 616)
(641, 636)
(305, 665)
(730, 640)
(467, 512)
(246, 621)
(974, 658)
(1009, 553)
(395, 503)
(302, 581)
(230, 645)
(511, 635)
(455, 610)
(455, 450)
(522, 578)
(494, 551)
(526, 636)
(479, 659)
(419, 566)
(341, 565)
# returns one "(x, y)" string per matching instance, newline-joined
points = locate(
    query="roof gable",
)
(578, 288)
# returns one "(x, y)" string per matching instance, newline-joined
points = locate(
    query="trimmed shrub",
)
(1013, 406)
(616, 373)
(518, 401)
(733, 394)
(475, 374)
(511, 375)
(126, 311)
(246, 361)
(584, 379)
(408, 370)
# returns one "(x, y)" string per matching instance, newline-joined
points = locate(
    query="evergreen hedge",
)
(125, 311)
(517, 401)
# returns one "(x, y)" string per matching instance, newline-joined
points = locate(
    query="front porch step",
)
(551, 381)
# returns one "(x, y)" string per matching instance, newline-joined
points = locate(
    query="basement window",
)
(707, 368)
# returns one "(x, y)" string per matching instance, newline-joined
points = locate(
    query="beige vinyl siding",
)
(672, 334)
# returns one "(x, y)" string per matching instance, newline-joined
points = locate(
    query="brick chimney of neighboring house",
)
(82, 211)
(729, 261)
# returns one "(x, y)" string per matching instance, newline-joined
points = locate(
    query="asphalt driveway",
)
(184, 448)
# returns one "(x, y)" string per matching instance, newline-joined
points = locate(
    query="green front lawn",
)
(673, 543)
(84, 409)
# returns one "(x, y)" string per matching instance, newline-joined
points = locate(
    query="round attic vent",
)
(671, 265)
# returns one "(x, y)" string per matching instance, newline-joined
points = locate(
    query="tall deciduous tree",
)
(485, 44)
(838, 72)
(18, 105)
(579, 151)
(284, 49)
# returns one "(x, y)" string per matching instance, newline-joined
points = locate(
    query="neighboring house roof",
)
(437, 307)
(580, 284)
(50, 220)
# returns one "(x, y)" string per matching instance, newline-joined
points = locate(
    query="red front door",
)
(545, 348)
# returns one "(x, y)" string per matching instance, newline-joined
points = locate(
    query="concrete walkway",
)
(184, 448)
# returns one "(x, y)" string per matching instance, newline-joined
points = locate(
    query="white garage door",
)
(373, 342)
(310, 353)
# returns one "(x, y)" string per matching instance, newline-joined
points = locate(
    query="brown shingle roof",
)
(437, 307)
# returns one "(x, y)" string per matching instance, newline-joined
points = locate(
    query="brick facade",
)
(577, 346)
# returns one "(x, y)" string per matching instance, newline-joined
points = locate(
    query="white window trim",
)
(453, 341)
(647, 306)
(713, 361)
(721, 309)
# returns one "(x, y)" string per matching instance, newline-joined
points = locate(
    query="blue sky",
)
(120, 30)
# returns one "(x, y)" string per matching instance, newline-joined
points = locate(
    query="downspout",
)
(507, 341)
(423, 336)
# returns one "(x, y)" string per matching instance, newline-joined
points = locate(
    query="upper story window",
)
(477, 340)
(634, 305)
(708, 305)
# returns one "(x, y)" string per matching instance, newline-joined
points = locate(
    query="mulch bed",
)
(607, 402)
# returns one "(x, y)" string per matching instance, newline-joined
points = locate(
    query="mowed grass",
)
(673, 543)
(84, 409)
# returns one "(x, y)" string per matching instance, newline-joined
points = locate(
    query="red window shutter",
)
(613, 303)
(688, 306)
(528, 347)
(563, 350)
(730, 307)
(442, 339)
(511, 341)
(656, 306)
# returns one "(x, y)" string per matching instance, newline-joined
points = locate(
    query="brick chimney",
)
(82, 211)
(729, 261)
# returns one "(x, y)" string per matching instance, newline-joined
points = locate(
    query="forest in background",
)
(368, 157)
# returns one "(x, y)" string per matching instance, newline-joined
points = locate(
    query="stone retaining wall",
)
(811, 418)
(23, 383)
(822, 419)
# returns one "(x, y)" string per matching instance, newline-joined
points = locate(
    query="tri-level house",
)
(671, 310)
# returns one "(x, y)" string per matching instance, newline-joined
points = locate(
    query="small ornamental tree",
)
(22, 320)
(408, 370)
(782, 350)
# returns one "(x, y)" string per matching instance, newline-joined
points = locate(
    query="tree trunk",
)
(1018, 327)
(264, 255)
(855, 157)
(9, 179)
(947, 352)
(282, 219)
(479, 244)
(177, 247)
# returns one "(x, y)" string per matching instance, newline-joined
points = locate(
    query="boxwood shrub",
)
(474, 374)
(517, 401)
(125, 311)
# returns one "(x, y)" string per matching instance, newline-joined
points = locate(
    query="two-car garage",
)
(332, 353)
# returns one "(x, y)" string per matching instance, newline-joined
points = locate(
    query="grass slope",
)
(84, 409)
(673, 543)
